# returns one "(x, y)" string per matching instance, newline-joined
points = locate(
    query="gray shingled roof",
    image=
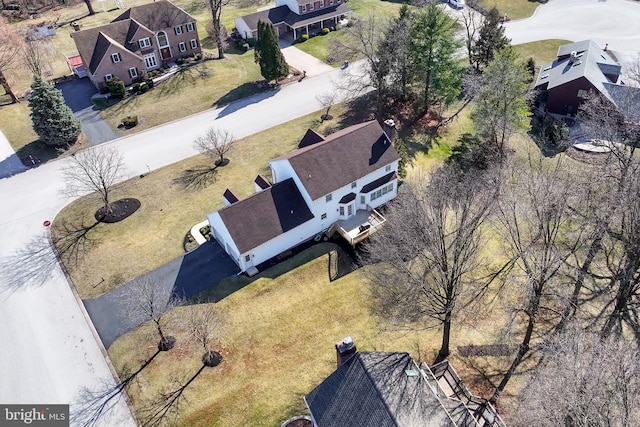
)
(282, 14)
(343, 157)
(374, 390)
(157, 15)
(264, 215)
(592, 63)
(93, 43)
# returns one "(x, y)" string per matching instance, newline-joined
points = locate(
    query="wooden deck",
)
(360, 226)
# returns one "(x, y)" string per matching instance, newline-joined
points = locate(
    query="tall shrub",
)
(267, 53)
(52, 119)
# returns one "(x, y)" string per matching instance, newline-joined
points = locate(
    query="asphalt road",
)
(49, 350)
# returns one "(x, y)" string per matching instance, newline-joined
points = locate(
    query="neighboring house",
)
(380, 389)
(295, 17)
(141, 39)
(582, 67)
(329, 184)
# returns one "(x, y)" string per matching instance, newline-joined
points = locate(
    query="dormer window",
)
(115, 58)
(146, 42)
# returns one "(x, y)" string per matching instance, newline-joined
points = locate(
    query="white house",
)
(329, 184)
(295, 17)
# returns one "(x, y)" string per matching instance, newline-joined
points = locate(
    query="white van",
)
(457, 4)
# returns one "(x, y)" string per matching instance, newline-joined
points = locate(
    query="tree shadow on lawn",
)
(242, 96)
(197, 179)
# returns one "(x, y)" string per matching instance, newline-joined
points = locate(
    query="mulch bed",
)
(120, 209)
(484, 350)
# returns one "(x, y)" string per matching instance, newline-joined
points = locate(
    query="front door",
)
(351, 209)
(165, 52)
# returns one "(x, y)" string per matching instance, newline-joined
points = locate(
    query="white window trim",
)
(155, 61)
(165, 37)
(182, 46)
(133, 74)
(115, 57)
(304, 8)
(194, 43)
(330, 2)
(108, 77)
(145, 42)
(310, 6)
(328, 197)
(178, 29)
(321, 4)
(387, 168)
(190, 27)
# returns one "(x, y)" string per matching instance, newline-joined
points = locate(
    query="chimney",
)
(389, 127)
(573, 57)
(344, 350)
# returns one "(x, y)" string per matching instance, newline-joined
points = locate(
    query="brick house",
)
(294, 17)
(141, 39)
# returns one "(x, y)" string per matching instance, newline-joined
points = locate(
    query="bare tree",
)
(426, 257)
(216, 12)
(10, 48)
(94, 170)
(327, 100)
(215, 143)
(472, 21)
(203, 322)
(539, 234)
(583, 382)
(37, 54)
(146, 297)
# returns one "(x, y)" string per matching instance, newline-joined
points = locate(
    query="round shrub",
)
(325, 31)
(304, 37)
(149, 83)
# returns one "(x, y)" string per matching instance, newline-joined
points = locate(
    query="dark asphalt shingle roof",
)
(282, 14)
(343, 157)
(265, 215)
(275, 15)
(374, 390)
(379, 182)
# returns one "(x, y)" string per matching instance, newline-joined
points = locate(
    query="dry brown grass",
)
(154, 234)
(277, 341)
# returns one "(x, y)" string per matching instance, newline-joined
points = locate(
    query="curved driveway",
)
(48, 349)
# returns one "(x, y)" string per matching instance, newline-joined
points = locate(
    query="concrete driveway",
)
(184, 277)
(77, 95)
(303, 61)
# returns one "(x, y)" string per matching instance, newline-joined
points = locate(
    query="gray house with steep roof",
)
(329, 184)
(141, 39)
(582, 67)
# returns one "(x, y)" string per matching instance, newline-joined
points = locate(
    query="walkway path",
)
(48, 350)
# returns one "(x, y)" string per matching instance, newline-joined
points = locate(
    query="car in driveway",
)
(457, 4)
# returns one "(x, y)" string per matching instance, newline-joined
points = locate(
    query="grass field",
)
(277, 340)
(515, 9)
(542, 51)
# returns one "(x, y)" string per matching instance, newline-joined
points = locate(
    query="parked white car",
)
(458, 4)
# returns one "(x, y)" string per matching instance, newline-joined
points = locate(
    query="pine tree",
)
(267, 53)
(490, 40)
(52, 120)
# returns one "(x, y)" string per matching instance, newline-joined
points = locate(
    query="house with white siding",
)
(327, 185)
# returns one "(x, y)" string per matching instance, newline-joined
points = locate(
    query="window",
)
(146, 42)
(363, 200)
(384, 190)
(328, 197)
(310, 6)
(373, 196)
(247, 258)
(350, 209)
(354, 184)
(330, 2)
(115, 57)
(321, 3)
(178, 29)
(194, 44)
(323, 216)
(182, 46)
(108, 77)
(583, 93)
(388, 168)
(190, 27)
(150, 61)
(390, 187)
(341, 210)
(133, 72)
(162, 39)
(304, 8)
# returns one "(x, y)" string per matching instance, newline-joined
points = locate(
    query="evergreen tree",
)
(53, 121)
(267, 53)
(490, 40)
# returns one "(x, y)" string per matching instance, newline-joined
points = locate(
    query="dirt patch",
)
(484, 350)
(587, 157)
(119, 210)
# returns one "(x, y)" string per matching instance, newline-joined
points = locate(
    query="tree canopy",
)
(267, 53)
(52, 119)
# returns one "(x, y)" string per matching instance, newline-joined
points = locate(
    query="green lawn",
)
(319, 46)
(541, 51)
(515, 9)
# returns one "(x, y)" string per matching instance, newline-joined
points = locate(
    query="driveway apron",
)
(77, 95)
